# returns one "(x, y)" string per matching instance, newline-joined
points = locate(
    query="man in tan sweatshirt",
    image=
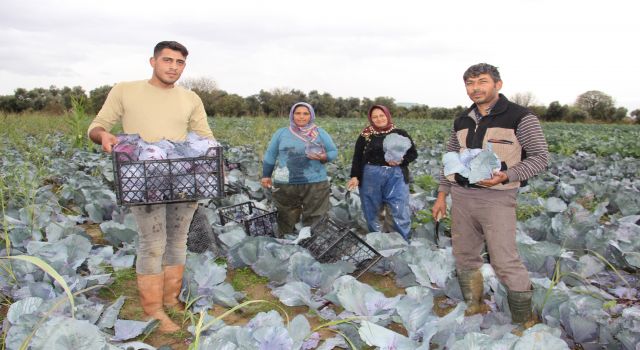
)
(157, 109)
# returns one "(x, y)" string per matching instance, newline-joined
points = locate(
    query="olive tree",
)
(636, 115)
(597, 105)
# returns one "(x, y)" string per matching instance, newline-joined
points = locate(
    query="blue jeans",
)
(384, 184)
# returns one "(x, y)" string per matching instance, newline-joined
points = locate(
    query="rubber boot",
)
(151, 289)
(173, 286)
(472, 287)
(521, 313)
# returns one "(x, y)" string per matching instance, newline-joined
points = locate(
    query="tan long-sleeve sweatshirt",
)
(153, 112)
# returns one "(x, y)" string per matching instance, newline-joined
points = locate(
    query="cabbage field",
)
(67, 252)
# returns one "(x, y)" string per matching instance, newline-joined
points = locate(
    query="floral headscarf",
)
(374, 130)
(309, 132)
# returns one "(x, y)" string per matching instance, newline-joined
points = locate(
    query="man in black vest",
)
(486, 211)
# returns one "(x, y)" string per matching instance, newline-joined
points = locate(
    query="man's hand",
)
(439, 209)
(108, 141)
(392, 163)
(497, 178)
(353, 183)
(104, 138)
(266, 182)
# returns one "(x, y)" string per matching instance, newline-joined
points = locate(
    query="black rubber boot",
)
(521, 313)
(472, 287)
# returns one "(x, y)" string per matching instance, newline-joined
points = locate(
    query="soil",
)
(93, 230)
(382, 283)
(4, 309)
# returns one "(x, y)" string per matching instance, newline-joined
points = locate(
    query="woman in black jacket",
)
(382, 181)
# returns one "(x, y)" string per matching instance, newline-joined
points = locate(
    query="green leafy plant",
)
(245, 277)
(120, 280)
(5, 232)
(426, 182)
(422, 217)
(221, 260)
(588, 202)
(525, 212)
(78, 122)
(609, 304)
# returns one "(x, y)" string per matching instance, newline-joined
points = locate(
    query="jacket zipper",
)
(475, 132)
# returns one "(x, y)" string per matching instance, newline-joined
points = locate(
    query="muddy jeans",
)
(162, 235)
(384, 185)
(480, 215)
(310, 200)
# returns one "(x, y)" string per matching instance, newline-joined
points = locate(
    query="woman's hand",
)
(394, 163)
(322, 157)
(266, 182)
(352, 184)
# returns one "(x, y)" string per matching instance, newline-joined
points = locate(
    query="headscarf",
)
(307, 133)
(374, 130)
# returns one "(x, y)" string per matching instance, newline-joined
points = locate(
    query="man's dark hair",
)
(171, 45)
(482, 68)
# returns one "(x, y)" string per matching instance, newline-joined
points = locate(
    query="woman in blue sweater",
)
(295, 158)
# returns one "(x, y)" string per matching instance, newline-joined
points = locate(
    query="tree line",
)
(591, 105)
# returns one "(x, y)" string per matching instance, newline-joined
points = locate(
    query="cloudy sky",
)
(413, 51)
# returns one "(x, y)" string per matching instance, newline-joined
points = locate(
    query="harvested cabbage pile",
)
(137, 149)
(166, 170)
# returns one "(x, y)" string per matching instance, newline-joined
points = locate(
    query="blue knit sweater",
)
(285, 158)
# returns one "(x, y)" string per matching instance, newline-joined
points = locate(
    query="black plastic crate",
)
(256, 221)
(330, 243)
(168, 180)
(200, 232)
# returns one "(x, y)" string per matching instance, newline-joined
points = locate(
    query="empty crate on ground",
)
(330, 242)
(200, 232)
(256, 221)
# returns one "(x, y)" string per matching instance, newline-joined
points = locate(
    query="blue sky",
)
(413, 51)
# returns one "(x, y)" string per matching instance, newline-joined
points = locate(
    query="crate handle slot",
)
(213, 150)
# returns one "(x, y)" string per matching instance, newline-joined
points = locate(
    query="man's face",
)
(482, 89)
(168, 66)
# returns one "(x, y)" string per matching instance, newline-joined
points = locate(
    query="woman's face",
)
(378, 118)
(301, 116)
